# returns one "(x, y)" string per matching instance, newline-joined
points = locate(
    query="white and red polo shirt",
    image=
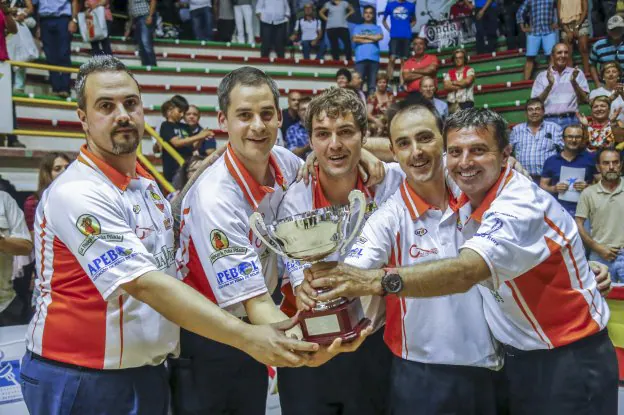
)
(96, 229)
(543, 293)
(219, 254)
(450, 329)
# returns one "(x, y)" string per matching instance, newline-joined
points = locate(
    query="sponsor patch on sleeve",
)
(238, 273)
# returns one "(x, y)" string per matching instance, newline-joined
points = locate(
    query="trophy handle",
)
(256, 219)
(354, 196)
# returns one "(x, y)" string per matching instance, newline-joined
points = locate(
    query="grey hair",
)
(336, 102)
(480, 119)
(98, 63)
(247, 76)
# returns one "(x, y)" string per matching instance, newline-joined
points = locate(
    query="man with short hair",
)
(142, 13)
(290, 115)
(402, 15)
(608, 49)
(110, 304)
(537, 18)
(602, 204)
(428, 89)
(561, 88)
(419, 65)
(366, 37)
(572, 156)
(533, 141)
(297, 137)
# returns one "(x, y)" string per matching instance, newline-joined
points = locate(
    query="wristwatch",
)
(391, 282)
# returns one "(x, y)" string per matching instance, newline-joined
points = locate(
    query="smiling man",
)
(525, 252)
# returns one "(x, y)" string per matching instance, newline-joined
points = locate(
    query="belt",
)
(562, 115)
(585, 341)
(64, 16)
(57, 363)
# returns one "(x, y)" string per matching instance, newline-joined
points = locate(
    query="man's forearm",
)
(15, 246)
(262, 310)
(586, 237)
(580, 94)
(594, 74)
(152, 8)
(380, 147)
(542, 97)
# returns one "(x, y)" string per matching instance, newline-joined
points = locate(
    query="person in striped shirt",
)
(608, 49)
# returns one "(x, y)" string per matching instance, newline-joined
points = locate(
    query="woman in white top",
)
(610, 74)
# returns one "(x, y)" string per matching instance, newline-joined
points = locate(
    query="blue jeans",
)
(306, 48)
(57, 47)
(368, 71)
(562, 121)
(202, 23)
(144, 37)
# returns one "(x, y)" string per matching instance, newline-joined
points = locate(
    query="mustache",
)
(125, 127)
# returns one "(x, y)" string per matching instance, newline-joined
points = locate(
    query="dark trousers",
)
(440, 389)
(486, 30)
(202, 23)
(57, 47)
(368, 71)
(349, 384)
(306, 48)
(55, 388)
(336, 34)
(273, 36)
(516, 38)
(602, 10)
(144, 37)
(225, 30)
(580, 378)
(102, 47)
(216, 379)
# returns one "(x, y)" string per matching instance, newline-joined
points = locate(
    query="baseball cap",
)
(615, 22)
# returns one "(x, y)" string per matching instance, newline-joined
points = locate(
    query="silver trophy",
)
(310, 237)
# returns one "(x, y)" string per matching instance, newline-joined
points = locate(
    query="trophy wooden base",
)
(325, 324)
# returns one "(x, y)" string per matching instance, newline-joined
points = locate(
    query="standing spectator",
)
(575, 28)
(22, 12)
(610, 74)
(513, 33)
(603, 205)
(14, 240)
(297, 137)
(561, 88)
(191, 119)
(600, 131)
(536, 140)
(538, 20)
(7, 26)
(308, 31)
(575, 156)
(101, 47)
(142, 14)
(428, 89)
(486, 20)
(378, 103)
(459, 82)
(462, 9)
(273, 16)
(343, 78)
(201, 15)
(225, 20)
(366, 37)
(243, 14)
(402, 18)
(601, 11)
(419, 66)
(57, 23)
(609, 49)
(290, 115)
(336, 13)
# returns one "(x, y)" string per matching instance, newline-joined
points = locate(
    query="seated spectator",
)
(561, 88)
(243, 14)
(402, 19)
(308, 32)
(602, 204)
(273, 16)
(335, 13)
(608, 49)
(290, 115)
(343, 78)
(459, 82)
(377, 104)
(366, 37)
(600, 131)
(575, 28)
(536, 140)
(538, 20)
(225, 20)
(184, 174)
(201, 17)
(575, 156)
(356, 85)
(191, 119)
(419, 66)
(297, 137)
(610, 74)
(428, 90)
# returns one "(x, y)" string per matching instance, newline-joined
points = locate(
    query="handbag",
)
(93, 24)
(21, 45)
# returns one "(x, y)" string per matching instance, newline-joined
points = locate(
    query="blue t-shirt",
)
(367, 51)
(552, 169)
(401, 15)
(480, 3)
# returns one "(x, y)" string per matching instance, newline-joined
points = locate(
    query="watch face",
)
(393, 283)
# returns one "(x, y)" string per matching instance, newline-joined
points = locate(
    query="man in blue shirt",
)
(402, 19)
(366, 37)
(573, 156)
(297, 137)
(608, 49)
(486, 20)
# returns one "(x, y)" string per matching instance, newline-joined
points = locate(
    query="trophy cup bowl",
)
(310, 237)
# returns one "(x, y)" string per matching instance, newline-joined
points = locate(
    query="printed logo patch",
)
(108, 260)
(88, 225)
(239, 273)
(421, 232)
(157, 200)
(218, 240)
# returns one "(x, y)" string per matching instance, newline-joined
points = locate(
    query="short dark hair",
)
(180, 102)
(247, 76)
(480, 119)
(369, 7)
(424, 39)
(345, 72)
(337, 102)
(605, 150)
(166, 107)
(414, 102)
(532, 101)
(305, 99)
(98, 63)
(571, 126)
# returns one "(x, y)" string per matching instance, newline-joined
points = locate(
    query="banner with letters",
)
(6, 115)
(449, 34)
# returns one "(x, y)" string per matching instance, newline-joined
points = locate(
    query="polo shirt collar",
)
(318, 196)
(504, 178)
(253, 191)
(120, 180)
(618, 189)
(416, 206)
